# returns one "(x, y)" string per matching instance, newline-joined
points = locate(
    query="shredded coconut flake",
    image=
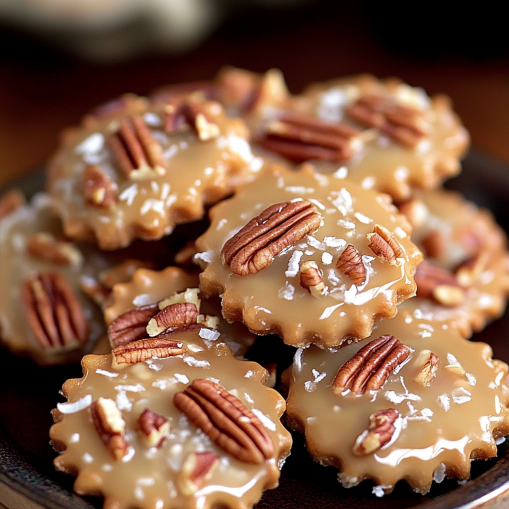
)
(106, 373)
(209, 334)
(293, 264)
(75, 406)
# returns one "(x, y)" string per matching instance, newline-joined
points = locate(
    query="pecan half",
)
(98, 188)
(131, 325)
(110, 425)
(153, 428)
(383, 429)
(197, 468)
(384, 245)
(10, 201)
(350, 263)
(226, 421)
(311, 279)
(370, 367)
(53, 311)
(403, 124)
(256, 245)
(438, 284)
(138, 153)
(301, 137)
(429, 368)
(47, 247)
(178, 114)
(144, 349)
(172, 317)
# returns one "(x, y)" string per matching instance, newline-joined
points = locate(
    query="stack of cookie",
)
(326, 230)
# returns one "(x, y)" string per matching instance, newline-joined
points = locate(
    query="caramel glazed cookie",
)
(313, 258)
(148, 292)
(414, 401)
(464, 279)
(135, 169)
(383, 134)
(172, 422)
(45, 307)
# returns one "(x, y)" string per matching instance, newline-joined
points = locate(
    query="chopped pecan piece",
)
(433, 244)
(415, 211)
(110, 425)
(153, 428)
(403, 124)
(172, 317)
(226, 421)
(98, 188)
(53, 311)
(311, 279)
(256, 245)
(383, 430)
(197, 468)
(436, 283)
(131, 325)
(144, 349)
(123, 272)
(138, 153)
(95, 290)
(468, 272)
(46, 247)
(10, 201)
(384, 245)
(300, 138)
(370, 367)
(429, 368)
(178, 114)
(350, 263)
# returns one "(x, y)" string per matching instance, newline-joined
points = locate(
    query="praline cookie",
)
(414, 401)
(147, 288)
(44, 312)
(135, 169)
(384, 134)
(464, 279)
(313, 258)
(195, 429)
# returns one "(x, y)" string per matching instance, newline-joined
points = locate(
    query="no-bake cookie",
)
(414, 401)
(147, 288)
(135, 169)
(464, 280)
(383, 134)
(314, 258)
(177, 424)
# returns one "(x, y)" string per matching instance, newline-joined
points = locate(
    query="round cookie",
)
(383, 134)
(44, 311)
(415, 401)
(135, 169)
(138, 434)
(148, 287)
(464, 279)
(313, 258)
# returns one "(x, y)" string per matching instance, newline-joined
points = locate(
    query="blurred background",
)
(59, 58)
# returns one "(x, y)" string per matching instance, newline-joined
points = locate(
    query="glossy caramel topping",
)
(32, 243)
(448, 403)
(465, 241)
(167, 461)
(404, 139)
(303, 302)
(149, 287)
(137, 169)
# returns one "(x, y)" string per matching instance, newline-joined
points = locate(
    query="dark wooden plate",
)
(28, 393)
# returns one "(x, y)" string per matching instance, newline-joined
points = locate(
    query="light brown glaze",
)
(151, 477)
(196, 173)
(461, 231)
(17, 264)
(445, 424)
(273, 299)
(149, 287)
